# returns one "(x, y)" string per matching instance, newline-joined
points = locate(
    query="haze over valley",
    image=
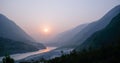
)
(59, 31)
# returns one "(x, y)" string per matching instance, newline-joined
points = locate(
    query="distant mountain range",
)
(63, 38)
(88, 30)
(14, 40)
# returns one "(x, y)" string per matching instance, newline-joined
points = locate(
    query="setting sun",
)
(46, 30)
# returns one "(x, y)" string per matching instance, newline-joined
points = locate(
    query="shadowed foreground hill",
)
(106, 37)
(12, 47)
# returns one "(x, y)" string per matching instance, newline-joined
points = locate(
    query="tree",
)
(8, 59)
(62, 52)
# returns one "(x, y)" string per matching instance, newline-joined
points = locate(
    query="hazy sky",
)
(57, 15)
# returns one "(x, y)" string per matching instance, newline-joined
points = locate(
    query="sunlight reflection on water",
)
(24, 55)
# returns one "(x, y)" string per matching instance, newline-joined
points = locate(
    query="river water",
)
(24, 55)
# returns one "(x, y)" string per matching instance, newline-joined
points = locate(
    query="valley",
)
(59, 31)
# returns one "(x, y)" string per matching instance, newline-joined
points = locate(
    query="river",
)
(24, 55)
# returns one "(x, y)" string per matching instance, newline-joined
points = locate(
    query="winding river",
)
(24, 55)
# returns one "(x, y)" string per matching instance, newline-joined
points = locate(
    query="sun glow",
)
(46, 30)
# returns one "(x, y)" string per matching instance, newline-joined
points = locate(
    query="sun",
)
(46, 30)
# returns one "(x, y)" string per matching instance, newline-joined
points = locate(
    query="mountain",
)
(63, 38)
(76, 36)
(12, 47)
(9, 31)
(108, 36)
(91, 28)
(105, 45)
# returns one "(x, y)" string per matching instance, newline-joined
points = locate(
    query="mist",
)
(59, 15)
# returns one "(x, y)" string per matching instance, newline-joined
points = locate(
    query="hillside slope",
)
(14, 40)
(108, 36)
(93, 27)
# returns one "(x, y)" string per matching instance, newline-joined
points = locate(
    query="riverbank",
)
(47, 55)
(20, 56)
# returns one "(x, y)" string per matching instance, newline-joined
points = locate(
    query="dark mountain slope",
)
(14, 40)
(10, 30)
(110, 35)
(93, 27)
(12, 47)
